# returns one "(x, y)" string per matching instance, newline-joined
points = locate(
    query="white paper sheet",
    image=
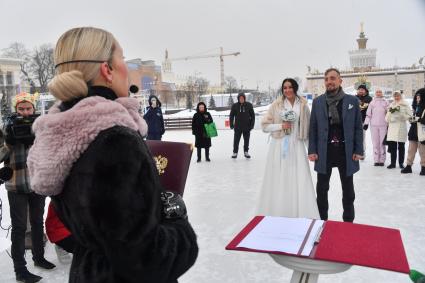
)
(281, 234)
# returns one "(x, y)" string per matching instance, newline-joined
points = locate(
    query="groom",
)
(335, 140)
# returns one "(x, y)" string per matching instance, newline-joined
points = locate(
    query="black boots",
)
(198, 151)
(207, 154)
(407, 169)
(43, 263)
(26, 276)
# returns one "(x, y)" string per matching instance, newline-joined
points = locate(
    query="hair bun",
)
(67, 86)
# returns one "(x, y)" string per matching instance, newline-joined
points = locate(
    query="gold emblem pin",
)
(161, 163)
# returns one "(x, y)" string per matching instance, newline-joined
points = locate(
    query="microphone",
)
(134, 89)
(6, 174)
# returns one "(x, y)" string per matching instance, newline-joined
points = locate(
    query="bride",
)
(287, 188)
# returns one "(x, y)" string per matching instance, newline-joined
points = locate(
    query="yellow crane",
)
(167, 62)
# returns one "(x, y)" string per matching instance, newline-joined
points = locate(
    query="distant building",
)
(10, 82)
(364, 71)
(10, 79)
(146, 75)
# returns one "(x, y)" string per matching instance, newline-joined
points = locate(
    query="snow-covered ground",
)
(221, 198)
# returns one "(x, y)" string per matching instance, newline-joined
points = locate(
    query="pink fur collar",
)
(62, 137)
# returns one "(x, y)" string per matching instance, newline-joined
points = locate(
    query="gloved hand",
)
(173, 206)
(365, 127)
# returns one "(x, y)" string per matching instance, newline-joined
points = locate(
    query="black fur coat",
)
(111, 204)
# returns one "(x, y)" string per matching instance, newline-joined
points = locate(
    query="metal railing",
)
(177, 123)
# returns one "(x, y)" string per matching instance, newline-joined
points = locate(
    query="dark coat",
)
(242, 116)
(198, 129)
(364, 104)
(319, 130)
(111, 204)
(155, 121)
(417, 112)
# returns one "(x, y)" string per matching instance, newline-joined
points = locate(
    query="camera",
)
(19, 129)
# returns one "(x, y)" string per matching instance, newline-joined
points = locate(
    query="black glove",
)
(173, 206)
(365, 127)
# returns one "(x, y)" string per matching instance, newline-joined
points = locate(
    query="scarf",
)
(332, 99)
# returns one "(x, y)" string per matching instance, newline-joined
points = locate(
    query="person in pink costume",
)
(375, 116)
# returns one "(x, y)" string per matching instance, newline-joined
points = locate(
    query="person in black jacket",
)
(242, 120)
(364, 100)
(201, 117)
(154, 119)
(90, 156)
(418, 106)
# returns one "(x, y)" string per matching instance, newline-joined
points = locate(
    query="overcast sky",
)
(276, 38)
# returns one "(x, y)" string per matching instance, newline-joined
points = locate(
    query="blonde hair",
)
(85, 43)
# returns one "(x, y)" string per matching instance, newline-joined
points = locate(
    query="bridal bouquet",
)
(394, 109)
(288, 116)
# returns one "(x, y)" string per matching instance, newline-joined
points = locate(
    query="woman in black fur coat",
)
(201, 117)
(90, 156)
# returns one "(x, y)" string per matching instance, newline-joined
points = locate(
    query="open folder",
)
(342, 242)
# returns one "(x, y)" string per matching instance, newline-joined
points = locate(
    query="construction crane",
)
(167, 62)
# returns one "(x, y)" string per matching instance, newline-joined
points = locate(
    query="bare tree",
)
(42, 65)
(179, 95)
(201, 86)
(190, 90)
(37, 67)
(18, 50)
(166, 98)
(231, 84)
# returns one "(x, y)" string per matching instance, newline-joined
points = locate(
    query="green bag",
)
(211, 130)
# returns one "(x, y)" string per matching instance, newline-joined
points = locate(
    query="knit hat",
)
(24, 97)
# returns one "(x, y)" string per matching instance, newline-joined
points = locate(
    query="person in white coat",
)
(397, 116)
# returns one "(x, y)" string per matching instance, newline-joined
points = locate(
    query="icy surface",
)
(221, 199)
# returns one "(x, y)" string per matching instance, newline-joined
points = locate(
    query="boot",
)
(393, 158)
(44, 263)
(198, 151)
(407, 169)
(422, 171)
(207, 154)
(27, 277)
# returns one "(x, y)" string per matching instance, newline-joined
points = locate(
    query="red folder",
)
(342, 242)
(172, 161)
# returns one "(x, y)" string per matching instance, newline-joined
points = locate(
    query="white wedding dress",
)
(288, 191)
(287, 188)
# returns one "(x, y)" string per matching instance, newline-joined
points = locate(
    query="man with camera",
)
(18, 140)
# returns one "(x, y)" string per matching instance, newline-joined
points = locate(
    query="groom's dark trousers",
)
(336, 158)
